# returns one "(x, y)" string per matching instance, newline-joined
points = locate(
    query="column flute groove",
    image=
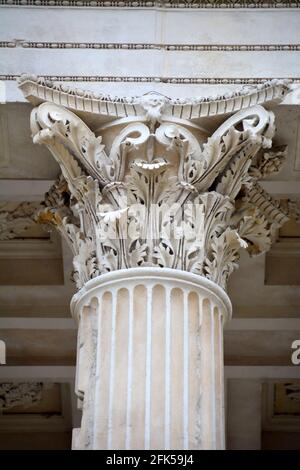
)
(112, 372)
(167, 422)
(129, 375)
(98, 373)
(185, 372)
(148, 395)
(213, 375)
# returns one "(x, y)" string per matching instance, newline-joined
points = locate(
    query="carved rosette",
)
(157, 190)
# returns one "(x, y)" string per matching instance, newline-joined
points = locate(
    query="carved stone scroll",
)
(150, 190)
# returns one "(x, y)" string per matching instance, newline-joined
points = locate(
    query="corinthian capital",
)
(145, 182)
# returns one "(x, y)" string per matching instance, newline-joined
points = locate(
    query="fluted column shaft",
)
(150, 361)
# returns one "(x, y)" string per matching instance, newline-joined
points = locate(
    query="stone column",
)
(155, 206)
(150, 360)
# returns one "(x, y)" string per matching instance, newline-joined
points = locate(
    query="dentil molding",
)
(148, 184)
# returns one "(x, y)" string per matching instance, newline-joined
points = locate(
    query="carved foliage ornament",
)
(16, 219)
(19, 394)
(161, 192)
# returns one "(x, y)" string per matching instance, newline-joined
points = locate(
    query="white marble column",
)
(150, 361)
(156, 199)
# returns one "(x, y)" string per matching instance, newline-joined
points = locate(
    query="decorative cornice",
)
(153, 46)
(168, 4)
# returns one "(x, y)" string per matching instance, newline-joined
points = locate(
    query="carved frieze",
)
(19, 394)
(16, 219)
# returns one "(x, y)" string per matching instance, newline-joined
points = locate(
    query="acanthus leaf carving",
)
(269, 162)
(254, 229)
(149, 190)
(224, 256)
